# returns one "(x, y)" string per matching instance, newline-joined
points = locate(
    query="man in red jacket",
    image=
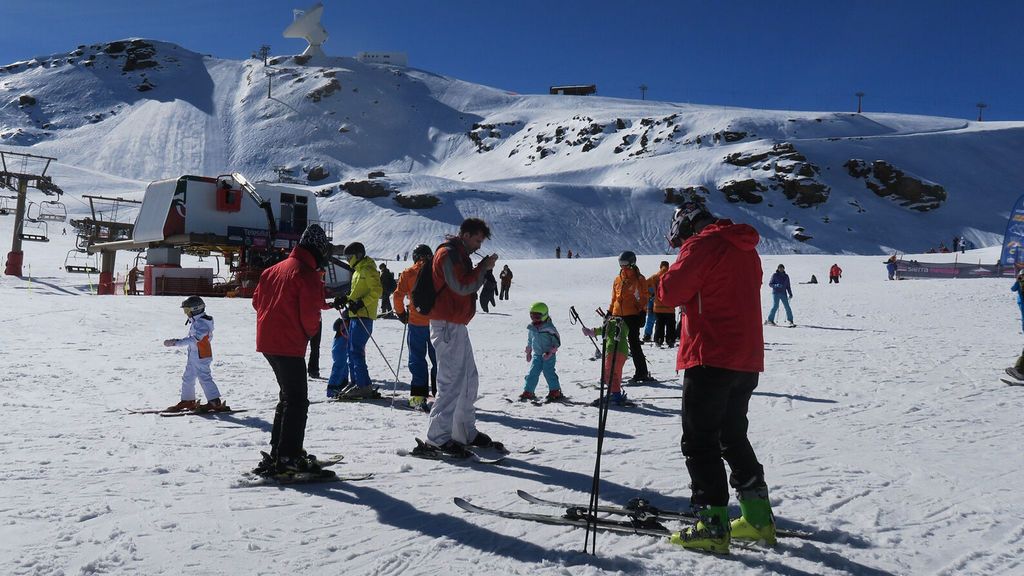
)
(288, 301)
(717, 280)
(452, 422)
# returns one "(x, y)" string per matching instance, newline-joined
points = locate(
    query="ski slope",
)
(880, 420)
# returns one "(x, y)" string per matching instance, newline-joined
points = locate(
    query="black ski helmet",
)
(685, 220)
(422, 252)
(355, 249)
(627, 258)
(194, 306)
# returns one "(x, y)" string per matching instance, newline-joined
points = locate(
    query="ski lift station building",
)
(252, 226)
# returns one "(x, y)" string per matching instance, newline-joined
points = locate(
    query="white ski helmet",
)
(194, 306)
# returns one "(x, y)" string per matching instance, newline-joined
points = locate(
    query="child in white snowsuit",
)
(541, 346)
(200, 356)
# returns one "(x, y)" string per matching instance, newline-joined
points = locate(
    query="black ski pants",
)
(289, 428)
(636, 346)
(715, 427)
(503, 295)
(313, 366)
(664, 328)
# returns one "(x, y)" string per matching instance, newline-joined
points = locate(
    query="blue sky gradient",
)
(936, 58)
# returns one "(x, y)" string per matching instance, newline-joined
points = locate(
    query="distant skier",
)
(488, 291)
(506, 282)
(834, 274)
(387, 286)
(200, 356)
(568, 254)
(542, 344)
(890, 267)
(782, 292)
(558, 251)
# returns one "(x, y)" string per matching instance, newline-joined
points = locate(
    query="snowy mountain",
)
(812, 182)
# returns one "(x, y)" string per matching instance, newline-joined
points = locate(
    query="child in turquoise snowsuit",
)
(541, 346)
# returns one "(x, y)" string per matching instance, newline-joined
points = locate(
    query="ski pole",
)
(602, 421)
(574, 318)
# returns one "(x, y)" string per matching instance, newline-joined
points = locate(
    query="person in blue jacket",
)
(781, 292)
(1018, 287)
(541, 346)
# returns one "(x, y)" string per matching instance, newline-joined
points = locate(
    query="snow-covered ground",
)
(880, 420)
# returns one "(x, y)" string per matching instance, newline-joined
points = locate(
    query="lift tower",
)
(19, 180)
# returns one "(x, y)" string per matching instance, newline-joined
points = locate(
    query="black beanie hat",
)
(315, 240)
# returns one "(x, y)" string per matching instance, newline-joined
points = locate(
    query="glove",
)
(529, 354)
(339, 303)
(355, 305)
(170, 342)
(547, 355)
(404, 317)
(588, 332)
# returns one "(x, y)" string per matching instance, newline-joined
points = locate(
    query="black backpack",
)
(423, 293)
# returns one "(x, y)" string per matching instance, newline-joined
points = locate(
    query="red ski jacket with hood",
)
(717, 280)
(288, 301)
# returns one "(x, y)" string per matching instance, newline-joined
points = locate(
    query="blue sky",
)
(931, 57)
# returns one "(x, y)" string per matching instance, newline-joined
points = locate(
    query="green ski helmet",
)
(540, 308)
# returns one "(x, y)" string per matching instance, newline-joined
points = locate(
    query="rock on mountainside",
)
(809, 181)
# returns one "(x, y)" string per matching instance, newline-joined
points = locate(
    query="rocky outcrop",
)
(417, 201)
(748, 191)
(487, 136)
(26, 100)
(888, 181)
(324, 91)
(790, 171)
(367, 189)
(317, 173)
(804, 192)
(680, 195)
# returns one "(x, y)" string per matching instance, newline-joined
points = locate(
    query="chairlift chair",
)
(33, 231)
(52, 210)
(80, 262)
(8, 205)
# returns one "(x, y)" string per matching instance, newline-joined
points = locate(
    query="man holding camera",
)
(452, 423)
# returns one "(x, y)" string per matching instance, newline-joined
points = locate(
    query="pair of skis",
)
(641, 518)
(177, 413)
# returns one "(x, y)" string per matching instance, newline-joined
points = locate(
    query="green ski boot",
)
(709, 534)
(757, 523)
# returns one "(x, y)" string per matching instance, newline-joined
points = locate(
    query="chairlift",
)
(52, 210)
(33, 231)
(80, 262)
(8, 204)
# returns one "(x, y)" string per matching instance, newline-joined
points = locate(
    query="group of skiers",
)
(715, 281)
